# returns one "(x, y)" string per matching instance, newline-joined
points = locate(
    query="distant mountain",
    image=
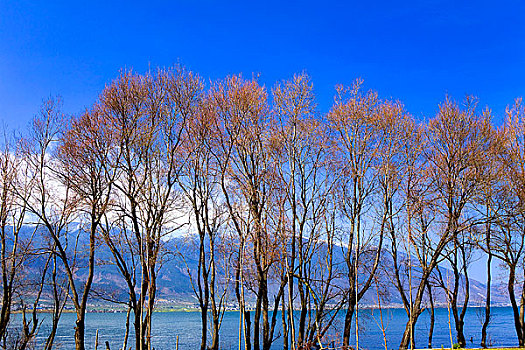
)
(174, 287)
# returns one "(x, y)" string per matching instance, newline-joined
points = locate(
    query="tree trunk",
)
(256, 321)
(302, 316)
(267, 339)
(487, 302)
(125, 343)
(458, 321)
(79, 332)
(515, 308)
(409, 334)
(348, 320)
(138, 330)
(204, 327)
(460, 325)
(284, 323)
(432, 316)
(247, 333)
(215, 333)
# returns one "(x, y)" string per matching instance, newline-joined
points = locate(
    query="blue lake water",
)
(168, 325)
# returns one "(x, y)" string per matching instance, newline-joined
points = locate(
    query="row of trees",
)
(294, 214)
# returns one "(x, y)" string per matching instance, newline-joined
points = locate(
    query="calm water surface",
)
(168, 325)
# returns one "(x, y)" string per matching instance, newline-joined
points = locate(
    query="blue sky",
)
(413, 51)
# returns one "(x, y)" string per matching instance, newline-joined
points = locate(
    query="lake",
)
(168, 325)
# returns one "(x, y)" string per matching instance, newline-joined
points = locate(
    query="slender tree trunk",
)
(256, 321)
(461, 324)
(214, 310)
(291, 321)
(487, 299)
(267, 339)
(58, 306)
(515, 308)
(239, 293)
(126, 335)
(348, 319)
(81, 308)
(5, 313)
(432, 315)
(458, 321)
(302, 316)
(284, 323)
(522, 312)
(138, 329)
(248, 330)
(383, 330)
(204, 327)
(215, 331)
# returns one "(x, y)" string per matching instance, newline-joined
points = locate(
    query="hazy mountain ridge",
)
(174, 286)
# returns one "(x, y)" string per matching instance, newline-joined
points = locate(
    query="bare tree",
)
(302, 146)
(458, 139)
(365, 155)
(146, 115)
(18, 248)
(489, 207)
(247, 171)
(55, 202)
(507, 242)
(200, 182)
(59, 294)
(411, 243)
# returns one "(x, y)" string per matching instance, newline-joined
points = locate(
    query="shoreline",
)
(108, 310)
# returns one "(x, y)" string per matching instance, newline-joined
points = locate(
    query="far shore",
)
(109, 310)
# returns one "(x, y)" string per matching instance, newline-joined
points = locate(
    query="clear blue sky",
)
(414, 51)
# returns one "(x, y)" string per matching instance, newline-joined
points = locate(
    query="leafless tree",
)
(507, 239)
(18, 248)
(147, 115)
(302, 147)
(458, 139)
(365, 155)
(55, 203)
(200, 182)
(247, 171)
